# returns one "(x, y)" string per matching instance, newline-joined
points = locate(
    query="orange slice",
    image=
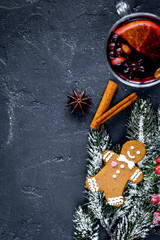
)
(144, 36)
(157, 73)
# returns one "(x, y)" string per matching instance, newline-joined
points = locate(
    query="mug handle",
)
(122, 7)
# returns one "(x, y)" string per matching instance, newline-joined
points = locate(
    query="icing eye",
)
(132, 147)
(138, 152)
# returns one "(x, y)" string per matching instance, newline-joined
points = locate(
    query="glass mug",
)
(133, 47)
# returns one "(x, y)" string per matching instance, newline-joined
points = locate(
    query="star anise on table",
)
(79, 101)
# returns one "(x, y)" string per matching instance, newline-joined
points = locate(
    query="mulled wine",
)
(133, 50)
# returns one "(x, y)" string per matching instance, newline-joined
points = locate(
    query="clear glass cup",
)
(124, 11)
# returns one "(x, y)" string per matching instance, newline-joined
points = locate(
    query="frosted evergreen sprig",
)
(133, 219)
(98, 142)
(156, 145)
(134, 224)
(86, 227)
(142, 122)
(142, 126)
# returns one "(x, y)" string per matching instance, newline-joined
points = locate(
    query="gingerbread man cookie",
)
(119, 169)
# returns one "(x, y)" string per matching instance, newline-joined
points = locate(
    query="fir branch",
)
(142, 122)
(98, 143)
(85, 225)
(142, 126)
(144, 117)
(116, 149)
(134, 224)
(133, 219)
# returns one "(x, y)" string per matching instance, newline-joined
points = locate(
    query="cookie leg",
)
(114, 199)
(92, 184)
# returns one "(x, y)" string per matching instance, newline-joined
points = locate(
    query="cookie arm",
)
(107, 155)
(137, 175)
(92, 184)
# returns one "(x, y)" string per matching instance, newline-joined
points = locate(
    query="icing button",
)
(122, 166)
(114, 176)
(118, 171)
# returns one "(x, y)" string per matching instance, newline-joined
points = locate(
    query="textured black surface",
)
(48, 47)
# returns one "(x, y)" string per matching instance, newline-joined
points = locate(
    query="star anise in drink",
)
(131, 67)
(79, 101)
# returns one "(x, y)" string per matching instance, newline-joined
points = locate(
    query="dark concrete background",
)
(48, 47)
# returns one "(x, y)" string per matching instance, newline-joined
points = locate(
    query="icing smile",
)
(129, 155)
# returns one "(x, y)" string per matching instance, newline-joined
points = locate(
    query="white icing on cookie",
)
(114, 176)
(136, 175)
(138, 152)
(122, 158)
(93, 184)
(132, 147)
(129, 155)
(122, 166)
(107, 156)
(118, 171)
(116, 200)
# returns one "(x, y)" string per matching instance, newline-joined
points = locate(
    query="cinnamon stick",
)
(105, 102)
(117, 108)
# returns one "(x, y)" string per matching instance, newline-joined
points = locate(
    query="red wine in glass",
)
(133, 50)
